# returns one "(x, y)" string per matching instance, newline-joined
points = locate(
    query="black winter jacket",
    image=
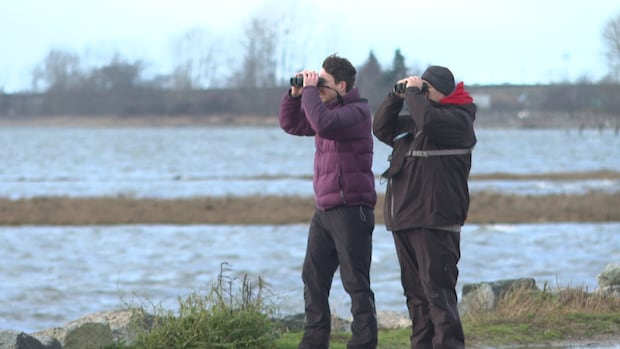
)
(431, 191)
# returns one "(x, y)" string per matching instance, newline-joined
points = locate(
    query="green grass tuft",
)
(223, 318)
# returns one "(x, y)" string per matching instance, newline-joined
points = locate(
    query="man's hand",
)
(414, 81)
(311, 78)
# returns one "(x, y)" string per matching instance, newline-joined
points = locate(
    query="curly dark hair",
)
(341, 69)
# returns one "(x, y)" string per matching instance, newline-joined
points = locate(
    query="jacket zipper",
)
(340, 184)
(389, 184)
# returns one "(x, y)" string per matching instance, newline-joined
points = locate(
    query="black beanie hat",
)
(441, 78)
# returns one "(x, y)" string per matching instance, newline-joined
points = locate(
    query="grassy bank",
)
(229, 317)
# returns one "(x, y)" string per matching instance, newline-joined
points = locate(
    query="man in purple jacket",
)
(328, 107)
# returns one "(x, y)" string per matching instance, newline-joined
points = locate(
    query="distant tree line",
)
(201, 84)
(573, 99)
(122, 88)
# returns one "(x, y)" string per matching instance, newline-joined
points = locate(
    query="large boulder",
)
(81, 335)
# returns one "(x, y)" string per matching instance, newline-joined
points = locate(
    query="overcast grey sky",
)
(482, 41)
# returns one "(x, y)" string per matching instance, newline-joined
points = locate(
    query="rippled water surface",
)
(218, 161)
(51, 275)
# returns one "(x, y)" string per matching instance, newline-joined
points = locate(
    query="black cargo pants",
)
(340, 237)
(428, 265)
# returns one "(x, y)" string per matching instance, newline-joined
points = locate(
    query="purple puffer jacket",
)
(344, 145)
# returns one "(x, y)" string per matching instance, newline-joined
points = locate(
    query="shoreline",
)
(485, 208)
(496, 120)
(119, 321)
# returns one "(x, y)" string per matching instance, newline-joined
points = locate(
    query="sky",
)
(482, 41)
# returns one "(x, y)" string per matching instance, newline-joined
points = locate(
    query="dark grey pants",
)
(340, 237)
(428, 264)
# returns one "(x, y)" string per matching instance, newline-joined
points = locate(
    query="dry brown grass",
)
(566, 176)
(498, 208)
(559, 318)
(485, 208)
(525, 303)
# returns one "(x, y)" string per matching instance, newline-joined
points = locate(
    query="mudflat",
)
(485, 208)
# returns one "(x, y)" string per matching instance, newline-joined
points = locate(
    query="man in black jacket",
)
(427, 196)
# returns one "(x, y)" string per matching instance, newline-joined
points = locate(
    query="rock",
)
(484, 295)
(339, 324)
(392, 320)
(124, 323)
(100, 329)
(293, 322)
(610, 276)
(610, 290)
(296, 322)
(80, 334)
(89, 335)
(10, 339)
(481, 298)
(49, 342)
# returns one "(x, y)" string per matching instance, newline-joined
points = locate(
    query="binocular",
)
(402, 86)
(298, 81)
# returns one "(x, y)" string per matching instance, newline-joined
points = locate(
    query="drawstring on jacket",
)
(362, 215)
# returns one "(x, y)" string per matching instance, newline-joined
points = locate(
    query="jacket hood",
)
(458, 96)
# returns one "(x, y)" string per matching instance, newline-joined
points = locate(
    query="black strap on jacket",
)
(439, 152)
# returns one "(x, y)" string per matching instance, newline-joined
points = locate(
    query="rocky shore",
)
(120, 326)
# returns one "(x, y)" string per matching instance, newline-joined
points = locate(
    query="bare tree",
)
(60, 70)
(258, 68)
(195, 64)
(611, 38)
(279, 37)
(292, 37)
(276, 44)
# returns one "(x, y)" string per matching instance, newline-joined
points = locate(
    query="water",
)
(227, 161)
(51, 275)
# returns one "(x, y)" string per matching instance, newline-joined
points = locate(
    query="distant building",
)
(483, 101)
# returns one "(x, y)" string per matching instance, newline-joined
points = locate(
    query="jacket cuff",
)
(414, 89)
(288, 93)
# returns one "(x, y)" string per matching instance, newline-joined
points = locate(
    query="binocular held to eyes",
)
(401, 87)
(298, 81)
